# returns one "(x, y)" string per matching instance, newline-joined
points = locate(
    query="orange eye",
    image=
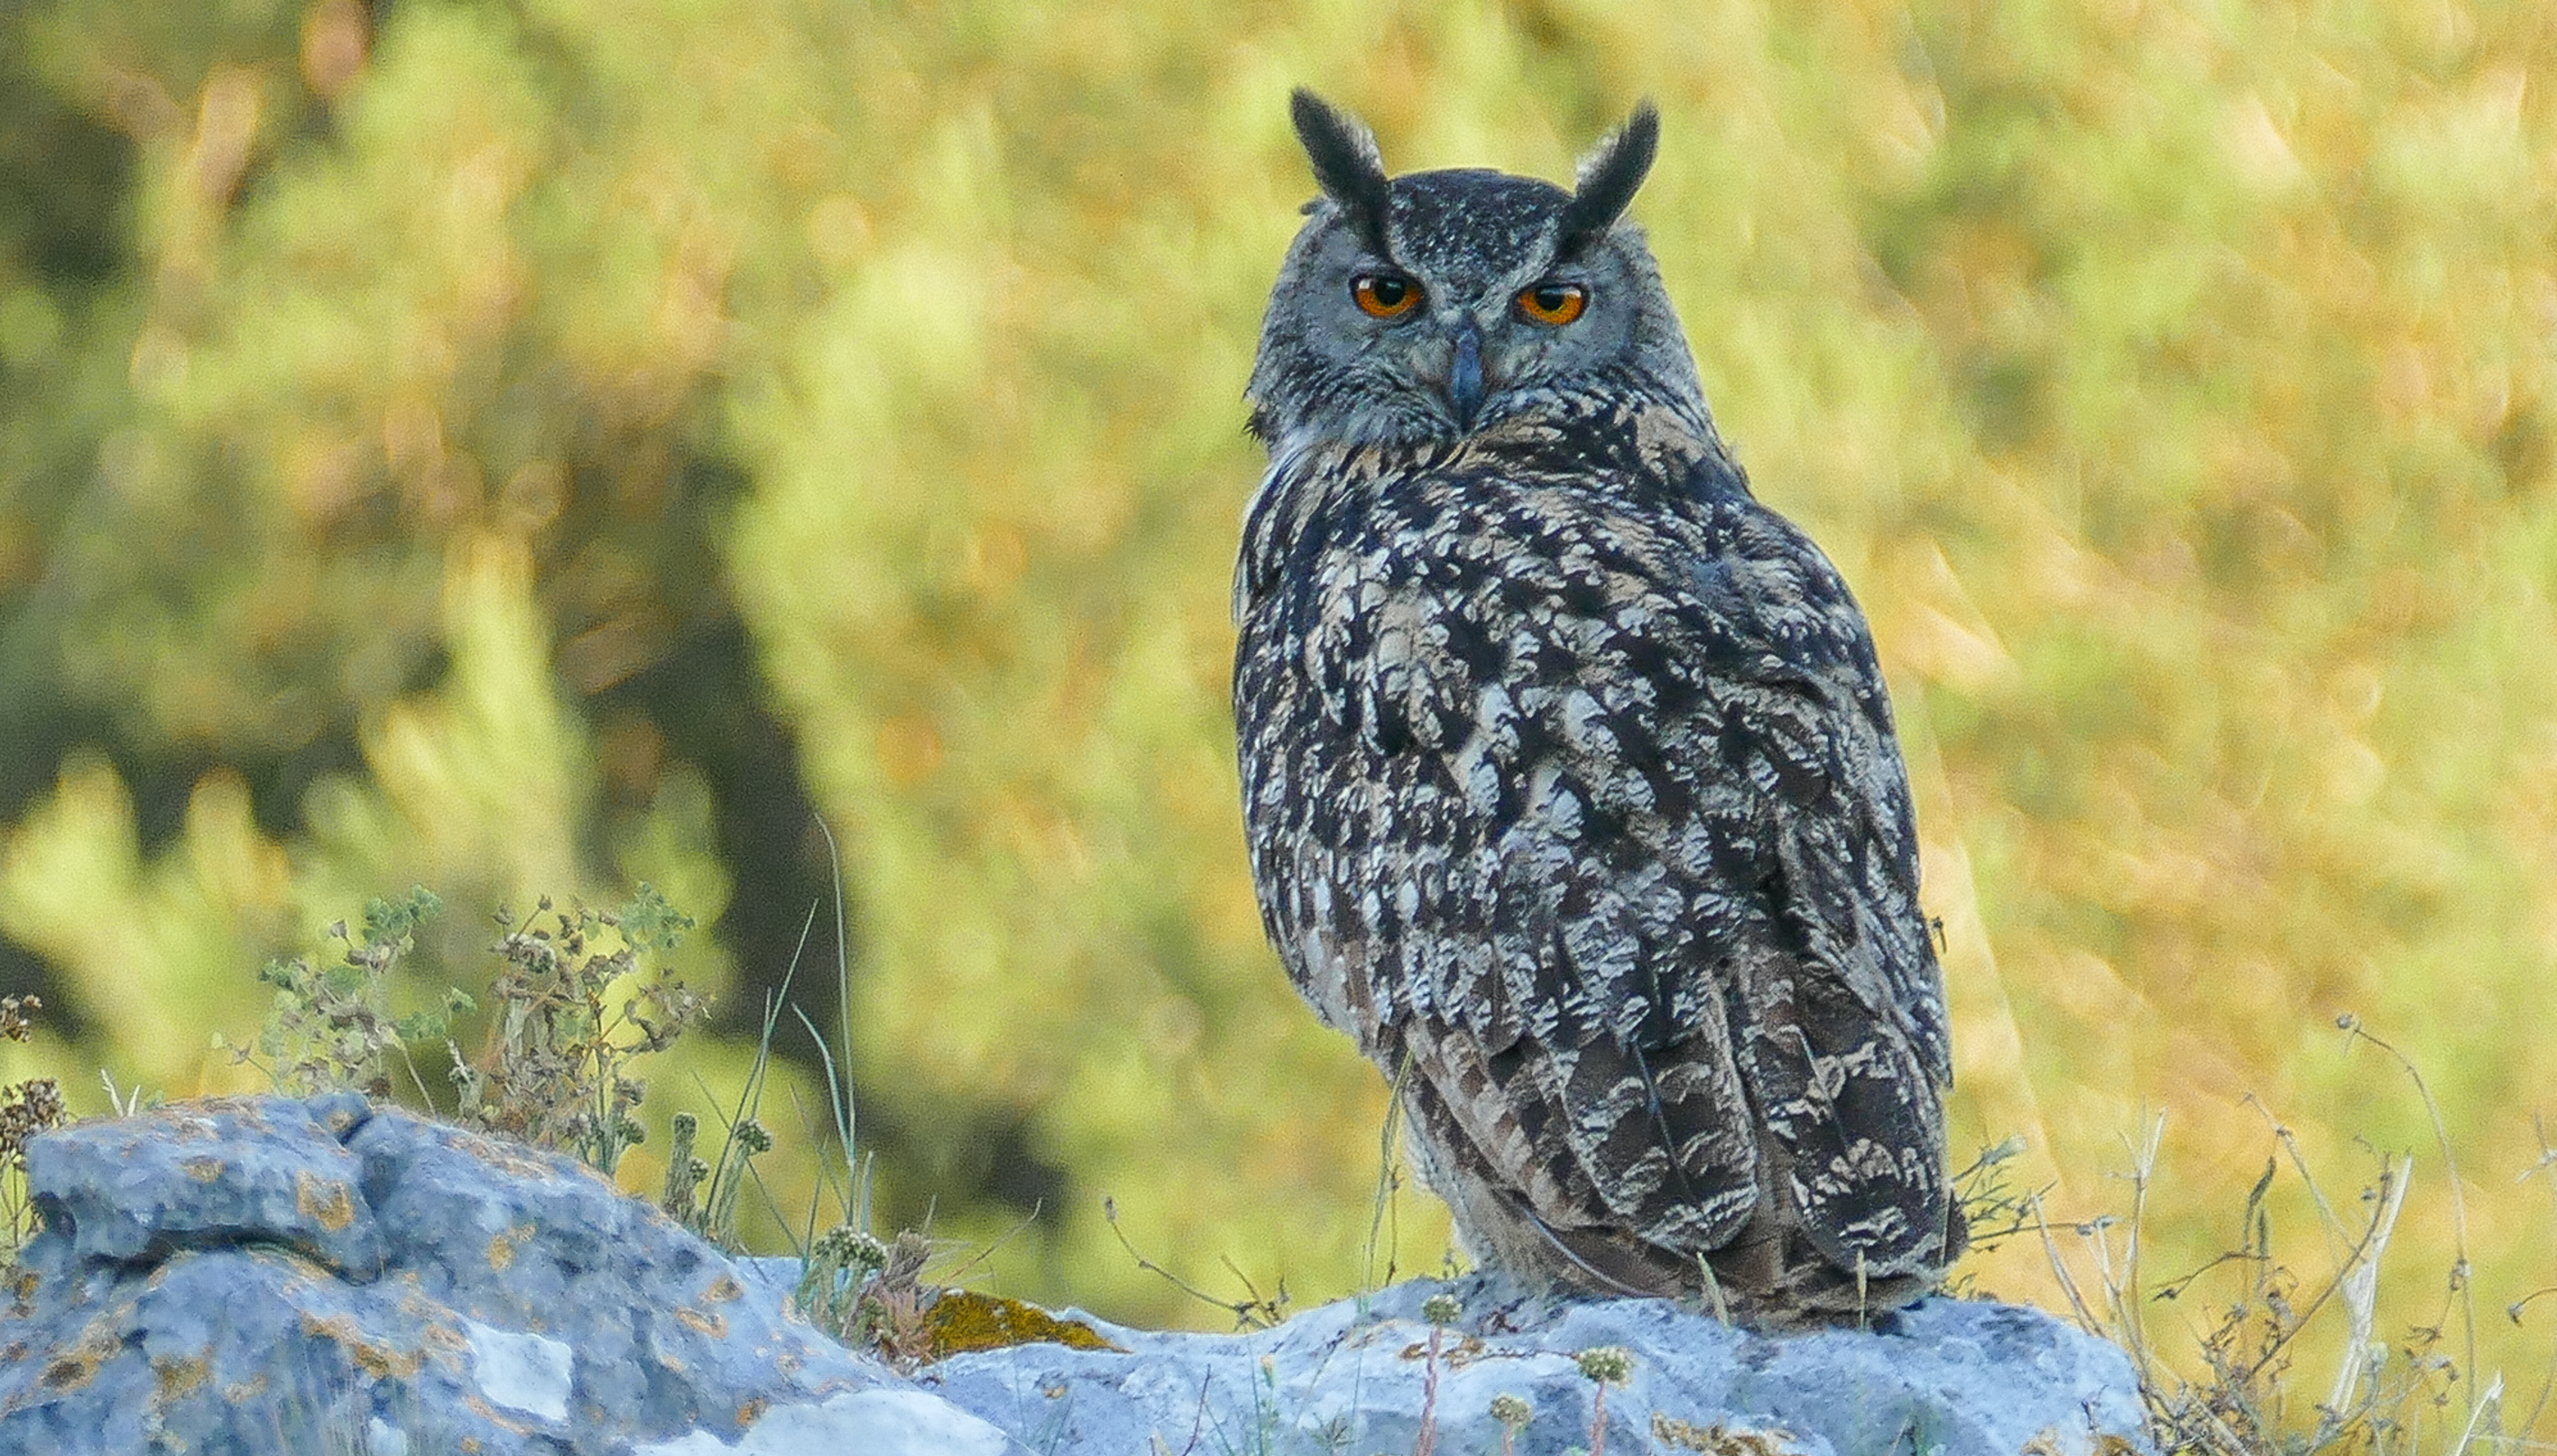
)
(1552, 303)
(1385, 295)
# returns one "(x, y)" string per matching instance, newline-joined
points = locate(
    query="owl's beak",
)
(1465, 372)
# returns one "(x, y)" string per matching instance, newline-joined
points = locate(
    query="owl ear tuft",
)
(1608, 177)
(1346, 163)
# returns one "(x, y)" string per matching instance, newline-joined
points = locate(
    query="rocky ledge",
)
(262, 1274)
(1944, 1375)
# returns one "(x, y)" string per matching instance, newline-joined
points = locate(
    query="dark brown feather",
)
(1346, 165)
(1609, 177)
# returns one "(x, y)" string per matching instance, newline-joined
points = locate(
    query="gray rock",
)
(264, 1274)
(1944, 1375)
(883, 1422)
(212, 1175)
(269, 1275)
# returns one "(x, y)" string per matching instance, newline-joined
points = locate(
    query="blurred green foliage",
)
(517, 447)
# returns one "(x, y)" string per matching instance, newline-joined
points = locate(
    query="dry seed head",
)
(1512, 1411)
(1442, 1309)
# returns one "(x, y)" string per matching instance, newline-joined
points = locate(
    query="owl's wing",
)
(1635, 858)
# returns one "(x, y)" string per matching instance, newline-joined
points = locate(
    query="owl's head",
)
(1427, 306)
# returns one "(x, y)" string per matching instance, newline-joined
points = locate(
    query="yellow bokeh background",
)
(499, 446)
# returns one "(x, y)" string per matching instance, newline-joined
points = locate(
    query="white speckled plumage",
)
(1568, 773)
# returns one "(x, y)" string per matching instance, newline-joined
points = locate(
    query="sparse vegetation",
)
(330, 1027)
(836, 1282)
(573, 1001)
(2255, 1394)
(28, 1107)
(577, 999)
(2277, 1346)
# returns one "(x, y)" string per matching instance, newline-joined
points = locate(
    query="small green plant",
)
(685, 1170)
(573, 1004)
(27, 1107)
(834, 1280)
(1602, 1366)
(330, 1027)
(1441, 1311)
(870, 1294)
(1513, 1413)
(716, 1221)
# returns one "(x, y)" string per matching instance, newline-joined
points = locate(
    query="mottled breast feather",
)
(1570, 785)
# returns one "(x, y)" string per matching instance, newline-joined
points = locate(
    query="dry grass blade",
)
(2359, 1285)
(1389, 1183)
(2460, 1274)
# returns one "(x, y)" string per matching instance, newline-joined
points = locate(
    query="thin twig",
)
(2353, 1029)
(1253, 1313)
(1426, 1444)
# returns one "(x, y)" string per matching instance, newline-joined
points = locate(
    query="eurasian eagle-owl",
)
(1568, 770)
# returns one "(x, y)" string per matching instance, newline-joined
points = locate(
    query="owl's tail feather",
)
(1597, 1279)
(1542, 1219)
(1769, 1277)
(1762, 1280)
